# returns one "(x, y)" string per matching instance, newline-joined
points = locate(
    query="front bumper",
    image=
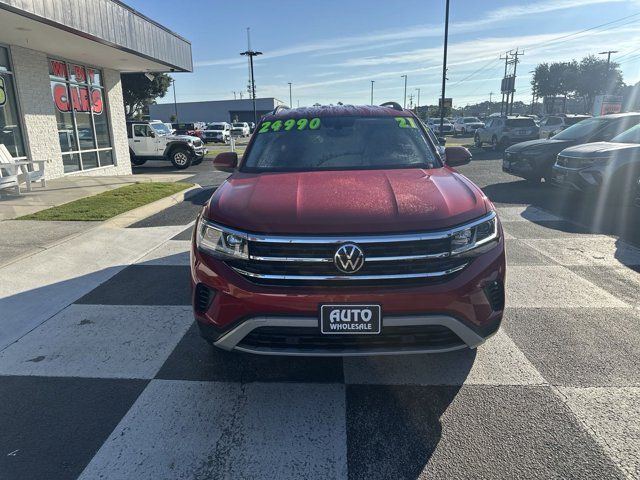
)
(589, 180)
(459, 305)
(199, 152)
(518, 165)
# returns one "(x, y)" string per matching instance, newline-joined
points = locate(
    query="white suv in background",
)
(219, 132)
(554, 124)
(467, 125)
(240, 129)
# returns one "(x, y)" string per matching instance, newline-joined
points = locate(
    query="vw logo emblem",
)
(348, 258)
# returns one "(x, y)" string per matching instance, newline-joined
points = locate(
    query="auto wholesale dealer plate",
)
(350, 319)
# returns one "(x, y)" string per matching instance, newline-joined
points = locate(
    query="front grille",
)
(575, 163)
(398, 338)
(393, 259)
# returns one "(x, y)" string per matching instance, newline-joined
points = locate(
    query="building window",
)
(10, 126)
(83, 127)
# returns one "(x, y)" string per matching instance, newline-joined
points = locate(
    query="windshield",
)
(238, 124)
(630, 136)
(520, 122)
(160, 128)
(342, 142)
(581, 129)
(215, 126)
(471, 120)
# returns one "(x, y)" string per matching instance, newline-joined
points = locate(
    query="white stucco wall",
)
(31, 73)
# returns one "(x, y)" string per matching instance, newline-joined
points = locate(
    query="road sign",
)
(448, 102)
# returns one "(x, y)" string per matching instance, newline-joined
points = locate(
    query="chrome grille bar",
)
(402, 276)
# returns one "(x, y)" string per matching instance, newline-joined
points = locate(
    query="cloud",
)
(419, 31)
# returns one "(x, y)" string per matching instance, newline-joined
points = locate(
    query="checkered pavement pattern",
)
(120, 386)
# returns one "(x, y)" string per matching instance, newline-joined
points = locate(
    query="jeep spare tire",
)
(180, 157)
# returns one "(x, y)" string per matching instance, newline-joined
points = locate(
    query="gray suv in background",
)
(554, 124)
(500, 132)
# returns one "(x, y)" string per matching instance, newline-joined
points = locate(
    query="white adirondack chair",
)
(8, 172)
(21, 167)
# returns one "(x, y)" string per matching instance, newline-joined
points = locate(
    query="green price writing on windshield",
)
(406, 122)
(289, 125)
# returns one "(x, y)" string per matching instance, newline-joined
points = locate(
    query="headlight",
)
(473, 236)
(219, 242)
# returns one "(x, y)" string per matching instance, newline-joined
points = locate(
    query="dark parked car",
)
(534, 160)
(344, 231)
(608, 168)
(500, 132)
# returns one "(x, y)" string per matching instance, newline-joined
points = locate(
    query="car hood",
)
(549, 145)
(180, 138)
(599, 149)
(364, 201)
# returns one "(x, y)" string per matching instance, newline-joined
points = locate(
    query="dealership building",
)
(60, 90)
(213, 111)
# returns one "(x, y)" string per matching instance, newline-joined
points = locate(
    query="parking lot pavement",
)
(119, 385)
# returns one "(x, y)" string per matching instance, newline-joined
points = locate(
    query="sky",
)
(331, 50)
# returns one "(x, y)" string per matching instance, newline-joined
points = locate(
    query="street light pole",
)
(175, 103)
(372, 82)
(418, 104)
(290, 97)
(251, 54)
(404, 105)
(444, 64)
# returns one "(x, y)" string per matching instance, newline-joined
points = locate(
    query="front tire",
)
(494, 143)
(137, 161)
(181, 158)
(477, 142)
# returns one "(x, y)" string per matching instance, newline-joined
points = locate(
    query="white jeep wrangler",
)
(154, 141)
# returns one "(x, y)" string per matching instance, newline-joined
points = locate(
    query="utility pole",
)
(290, 97)
(418, 103)
(175, 103)
(372, 82)
(506, 66)
(490, 95)
(404, 105)
(234, 95)
(444, 63)
(608, 54)
(252, 83)
(515, 68)
(410, 100)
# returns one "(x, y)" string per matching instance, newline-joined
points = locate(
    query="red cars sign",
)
(80, 98)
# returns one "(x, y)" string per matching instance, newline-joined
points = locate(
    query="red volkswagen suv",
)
(343, 231)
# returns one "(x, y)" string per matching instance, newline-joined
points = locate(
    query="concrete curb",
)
(132, 216)
(119, 221)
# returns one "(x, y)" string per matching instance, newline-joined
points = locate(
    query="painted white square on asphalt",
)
(99, 341)
(594, 250)
(524, 213)
(613, 417)
(179, 429)
(172, 252)
(496, 362)
(554, 287)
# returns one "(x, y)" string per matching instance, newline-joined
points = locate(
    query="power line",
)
(491, 62)
(556, 39)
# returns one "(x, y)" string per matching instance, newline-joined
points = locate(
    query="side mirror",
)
(442, 140)
(226, 162)
(456, 156)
